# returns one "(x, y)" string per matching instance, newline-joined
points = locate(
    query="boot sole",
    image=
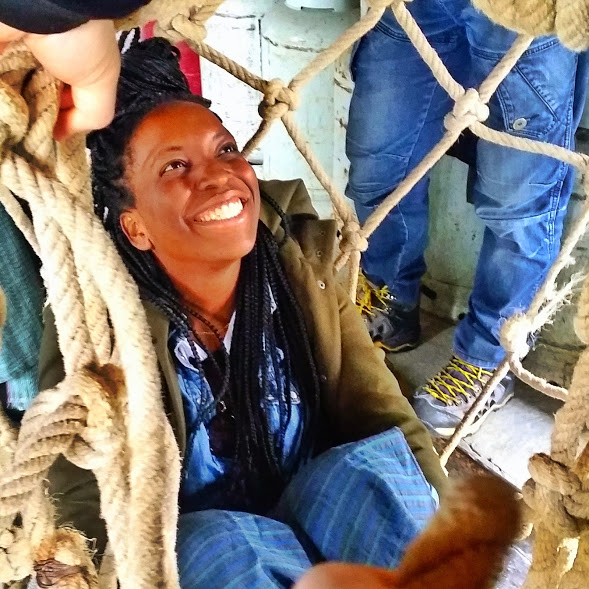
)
(448, 432)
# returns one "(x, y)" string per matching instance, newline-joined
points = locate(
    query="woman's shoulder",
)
(313, 239)
(289, 195)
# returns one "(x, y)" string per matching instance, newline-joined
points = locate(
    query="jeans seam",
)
(539, 94)
(499, 54)
(564, 169)
(503, 97)
(431, 98)
(455, 20)
(405, 240)
(390, 33)
(408, 158)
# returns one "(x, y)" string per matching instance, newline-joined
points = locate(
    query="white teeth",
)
(226, 211)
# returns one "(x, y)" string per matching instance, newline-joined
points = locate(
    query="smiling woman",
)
(297, 444)
(197, 200)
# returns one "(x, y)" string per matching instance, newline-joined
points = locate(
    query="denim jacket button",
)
(520, 124)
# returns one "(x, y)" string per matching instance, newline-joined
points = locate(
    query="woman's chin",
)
(231, 251)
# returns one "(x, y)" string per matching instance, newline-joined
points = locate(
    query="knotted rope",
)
(76, 420)
(73, 245)
(558, 492)
(470, 111)
(567, 19)
(135, 458)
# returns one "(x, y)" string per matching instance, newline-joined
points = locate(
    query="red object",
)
(189, 61)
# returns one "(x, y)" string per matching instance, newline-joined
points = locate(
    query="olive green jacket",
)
(359, 395)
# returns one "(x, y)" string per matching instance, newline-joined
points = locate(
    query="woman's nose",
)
(211, 175)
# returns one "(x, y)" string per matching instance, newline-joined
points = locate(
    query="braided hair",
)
(150, 76)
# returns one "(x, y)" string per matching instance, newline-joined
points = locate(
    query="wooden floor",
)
(518, 559)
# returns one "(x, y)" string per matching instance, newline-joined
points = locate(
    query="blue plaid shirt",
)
(204, 473)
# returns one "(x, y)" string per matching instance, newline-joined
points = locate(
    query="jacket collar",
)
(160, 328)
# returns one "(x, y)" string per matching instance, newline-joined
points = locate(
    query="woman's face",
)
(197, 199)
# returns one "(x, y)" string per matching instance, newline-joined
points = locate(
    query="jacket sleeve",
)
(369, 397)
(73, 489)
(57, 16)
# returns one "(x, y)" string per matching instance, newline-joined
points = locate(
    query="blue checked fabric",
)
(361, 502)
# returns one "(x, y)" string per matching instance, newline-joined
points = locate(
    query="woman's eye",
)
(229, 147)
(173, 166)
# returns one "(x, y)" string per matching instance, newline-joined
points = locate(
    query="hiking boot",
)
(391, 325)
(442, 402)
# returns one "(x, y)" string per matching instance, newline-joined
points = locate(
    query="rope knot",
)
(181, 27)
(64, 560)
(556, 494)
(353, 239)
(100, 390)
(468, 109)
(278, 100)
(514, 335)
(17, 62)
(15, 555)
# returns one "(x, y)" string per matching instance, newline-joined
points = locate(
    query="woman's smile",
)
(223, 210)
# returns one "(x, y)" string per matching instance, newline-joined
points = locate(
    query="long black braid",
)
(150, 76)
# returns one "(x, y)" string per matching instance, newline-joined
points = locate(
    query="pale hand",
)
(87, 60)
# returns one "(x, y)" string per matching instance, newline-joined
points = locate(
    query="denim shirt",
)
(204, 474)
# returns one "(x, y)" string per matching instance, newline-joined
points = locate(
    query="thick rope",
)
(72, 245)
(59, 422)
(553, 555)
(568, 19)
(84, 276)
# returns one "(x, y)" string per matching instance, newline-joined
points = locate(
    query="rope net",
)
(133, 453)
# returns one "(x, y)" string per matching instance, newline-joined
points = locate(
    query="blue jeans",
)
(396, 117)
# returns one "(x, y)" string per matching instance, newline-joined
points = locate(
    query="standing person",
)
(396, 118)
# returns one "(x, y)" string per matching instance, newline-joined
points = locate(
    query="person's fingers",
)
(87, 59)
(85, 108)
(8, 34)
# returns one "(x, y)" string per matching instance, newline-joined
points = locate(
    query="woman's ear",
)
(135, 230)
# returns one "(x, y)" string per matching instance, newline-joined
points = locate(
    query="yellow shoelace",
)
(446, 387)
(366, 294)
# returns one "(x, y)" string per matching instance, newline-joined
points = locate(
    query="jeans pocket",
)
(536, 96)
